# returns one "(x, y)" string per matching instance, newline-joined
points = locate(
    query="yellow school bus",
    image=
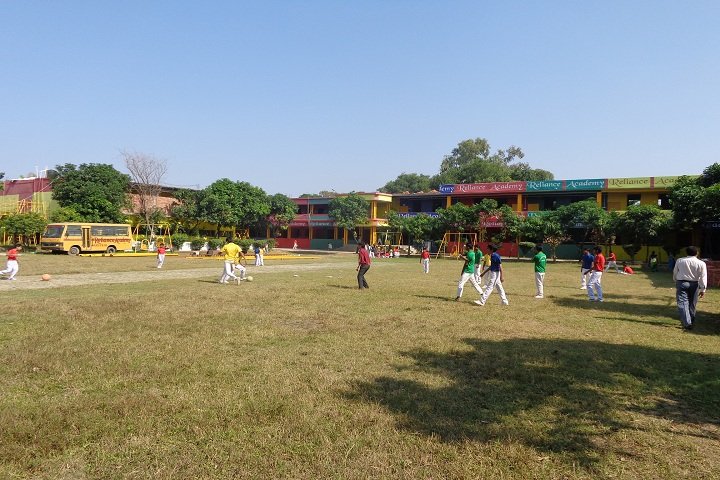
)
(76, 237)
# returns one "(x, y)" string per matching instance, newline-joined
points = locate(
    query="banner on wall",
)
(625, 183)
(415, 214)
(494, 187)
(544, 185)
(586, 184)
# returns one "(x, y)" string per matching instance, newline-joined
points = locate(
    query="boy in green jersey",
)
(468, 271)
(539, 261)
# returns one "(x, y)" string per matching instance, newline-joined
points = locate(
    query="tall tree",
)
(282, 212)
(96, 191)
(186, 211)
(349, 211)
(407, 182)
(147, 173)
(234, 204)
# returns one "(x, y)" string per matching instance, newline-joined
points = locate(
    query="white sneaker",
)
(478, 302)
(583, 288)
(539, 296)
(600, 300)
(591, 299)
(506, 304)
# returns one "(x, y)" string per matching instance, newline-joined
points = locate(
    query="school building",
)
(314, 229)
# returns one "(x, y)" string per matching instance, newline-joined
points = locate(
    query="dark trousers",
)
(361, 276)
(687, 292)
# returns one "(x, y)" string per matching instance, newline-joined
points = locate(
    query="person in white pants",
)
(12, 266)
(594, 287)
(231, 253)
(468, 272)
(585, 268)
(496, 279)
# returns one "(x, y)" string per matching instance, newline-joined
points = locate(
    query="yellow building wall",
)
(616, 201)
(648, 198)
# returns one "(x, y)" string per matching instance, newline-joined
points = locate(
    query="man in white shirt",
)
(690, 277)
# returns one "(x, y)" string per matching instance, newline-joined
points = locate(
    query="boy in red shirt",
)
(12, 263)
(363, 266)
(425, 260)
(627, 270)
(594, 287)
(160, 255)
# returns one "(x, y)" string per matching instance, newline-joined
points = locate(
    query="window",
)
(633, 199)
(73, 231)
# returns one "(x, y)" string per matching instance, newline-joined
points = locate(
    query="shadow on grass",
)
(666, 314)
(562, 396)
(640, 309)
(444, 298)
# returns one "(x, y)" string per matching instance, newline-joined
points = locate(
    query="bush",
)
(271, 243)
(214, 243)
(178, 239)
(197, 243)
(244, 244)
(526, 247)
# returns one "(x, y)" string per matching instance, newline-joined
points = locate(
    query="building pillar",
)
(519, 203)
(448, 201)
(598, 198)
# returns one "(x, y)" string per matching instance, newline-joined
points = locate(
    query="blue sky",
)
(303, 96)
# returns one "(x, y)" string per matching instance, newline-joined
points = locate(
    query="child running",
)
(468, 272)
(496, 278)
(13, 267)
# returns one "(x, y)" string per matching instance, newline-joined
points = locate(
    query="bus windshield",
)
(54, 231)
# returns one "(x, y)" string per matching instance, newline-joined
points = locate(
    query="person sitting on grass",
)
(626, 269)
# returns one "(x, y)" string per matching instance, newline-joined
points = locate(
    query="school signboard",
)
(483, 188)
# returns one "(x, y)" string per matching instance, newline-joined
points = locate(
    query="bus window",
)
(73, 231)
(54, 231)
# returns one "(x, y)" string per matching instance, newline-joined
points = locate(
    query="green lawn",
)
(300, 375)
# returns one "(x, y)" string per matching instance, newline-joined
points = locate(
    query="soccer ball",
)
(45, 277)
(249, 278)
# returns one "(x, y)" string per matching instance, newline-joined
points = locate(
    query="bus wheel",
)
(110, 250)
(74, 250)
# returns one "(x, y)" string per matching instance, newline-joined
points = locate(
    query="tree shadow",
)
(705, 324)
(562, 396)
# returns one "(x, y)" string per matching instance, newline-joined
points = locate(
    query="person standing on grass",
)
(425, 260)
(496, 278)
(690, 277)
(12, 266)
(468, 272)
(363, 266)
(586, 264)
(612, 263)
(594, 285)
(160, 255)
(484, 281)
(539, 261)
(653, 262)
(230, 252)
(240, 266)
(479, 259)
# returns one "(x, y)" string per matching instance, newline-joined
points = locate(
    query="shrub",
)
(214, 243)
(178, 239)
(244, 244)
(271, 243)
(197, 243)
(526, 247)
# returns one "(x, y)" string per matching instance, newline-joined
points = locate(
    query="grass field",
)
(300, 375)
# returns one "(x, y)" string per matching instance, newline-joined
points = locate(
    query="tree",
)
(24, 225)
(585, 217)
(97, 192)
(458, 217)
(282, 212)
(147, 173)
(65, 214)
(640, 225)
(234, 204)
(418, 227)
(2, 175)
(408, 182)
(545, 228)
(186, 212)
(349, 211)
(472, 162)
